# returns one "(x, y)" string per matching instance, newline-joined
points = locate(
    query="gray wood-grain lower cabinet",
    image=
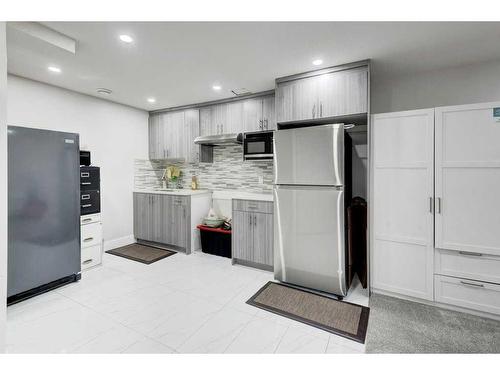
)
(170, 220)
(252, 233)
(163, 219)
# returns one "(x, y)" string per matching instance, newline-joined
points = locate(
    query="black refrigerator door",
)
(44, 207)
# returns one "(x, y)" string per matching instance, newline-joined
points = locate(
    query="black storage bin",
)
(215, 241)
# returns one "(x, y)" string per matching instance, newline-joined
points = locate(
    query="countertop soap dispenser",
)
(194, 183)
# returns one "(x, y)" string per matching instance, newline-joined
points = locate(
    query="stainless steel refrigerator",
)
(312, 186)
(44, 211)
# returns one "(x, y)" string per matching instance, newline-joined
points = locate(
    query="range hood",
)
(219, 139)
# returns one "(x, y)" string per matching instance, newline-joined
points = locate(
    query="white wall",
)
(3, 183)
(476, 83)
(115, 135)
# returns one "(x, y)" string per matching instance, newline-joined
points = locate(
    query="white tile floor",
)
(180, 304)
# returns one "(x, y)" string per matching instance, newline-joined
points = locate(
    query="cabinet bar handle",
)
(85, 196)
(88, 239)
(267, 125)
(87, 261)
(314, 110)
(438, 205)
(86, 205)
(320, 109)
(470, 253)
(86, 183)
(87, 220)
(84, 174)
(472, 284)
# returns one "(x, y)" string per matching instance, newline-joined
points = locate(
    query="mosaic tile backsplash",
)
(227, 172)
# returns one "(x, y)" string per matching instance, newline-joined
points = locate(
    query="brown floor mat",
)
(341, 318)
(141, 253)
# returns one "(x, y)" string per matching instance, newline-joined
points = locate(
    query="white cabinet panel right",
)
(467, 178)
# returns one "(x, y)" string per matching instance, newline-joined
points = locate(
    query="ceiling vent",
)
(241, 92)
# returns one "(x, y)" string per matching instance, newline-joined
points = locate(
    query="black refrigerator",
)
(43, 211)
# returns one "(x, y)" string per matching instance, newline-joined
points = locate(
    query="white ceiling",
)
(177, 63)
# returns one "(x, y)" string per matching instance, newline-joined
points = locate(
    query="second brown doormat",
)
(141, 253)
(341, 318)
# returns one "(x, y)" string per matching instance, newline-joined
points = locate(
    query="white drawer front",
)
(91, 256)
(470, 294)
(91, 235)
(474, 266)
(89, 219)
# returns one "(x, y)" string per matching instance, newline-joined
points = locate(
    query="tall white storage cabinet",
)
(436, 205)
(402, 226)
(467, 230)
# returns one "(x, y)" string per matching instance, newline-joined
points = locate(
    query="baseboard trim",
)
(119, 242)
(436, 304)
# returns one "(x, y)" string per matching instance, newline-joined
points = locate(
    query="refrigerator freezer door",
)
(309, 248)
(44, 207)
(310, 156)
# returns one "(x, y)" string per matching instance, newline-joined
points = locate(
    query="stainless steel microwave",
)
(258, 146)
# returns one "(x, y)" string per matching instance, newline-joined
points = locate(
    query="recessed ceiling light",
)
(317, 62)
(104, 91)
(151, 100)
(54, 69)
(216, 87)
(126, 38)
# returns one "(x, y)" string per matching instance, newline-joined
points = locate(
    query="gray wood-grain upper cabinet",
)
(239, 116)
(338, 93)
(252, 233)
(259, 114)
(191, 131)
(162, 219)
(171, 135)
(224, 118)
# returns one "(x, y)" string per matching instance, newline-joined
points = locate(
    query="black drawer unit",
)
(90, 202)
(89, 178)
(90, 186)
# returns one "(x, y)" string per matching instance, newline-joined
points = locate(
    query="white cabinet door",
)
(402, 217)
(468, 178)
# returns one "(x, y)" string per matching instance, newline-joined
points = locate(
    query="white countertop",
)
(173, 191)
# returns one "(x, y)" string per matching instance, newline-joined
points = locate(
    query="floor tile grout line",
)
(114, 321)
(281, 339)
(203, 324)
(327, 344)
